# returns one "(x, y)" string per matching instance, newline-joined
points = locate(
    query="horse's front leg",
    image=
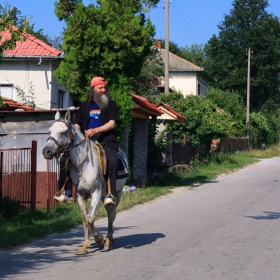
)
(95, 199)
(87, 243)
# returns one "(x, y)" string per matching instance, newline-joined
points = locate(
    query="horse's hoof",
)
(107, 245)
(81, 251)
(99, 240)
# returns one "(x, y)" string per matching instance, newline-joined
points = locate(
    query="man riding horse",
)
(97, 117)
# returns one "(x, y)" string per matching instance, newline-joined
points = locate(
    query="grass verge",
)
(20, 230)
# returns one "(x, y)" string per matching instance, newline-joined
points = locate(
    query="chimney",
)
(159, 44)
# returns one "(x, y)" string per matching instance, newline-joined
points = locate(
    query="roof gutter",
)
(33, 57)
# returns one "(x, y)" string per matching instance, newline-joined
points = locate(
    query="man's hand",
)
(92, 131)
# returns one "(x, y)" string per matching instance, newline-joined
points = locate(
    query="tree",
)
(15, 19)
(7, 24)
(109, 39)
(231, 103)
(194, 53)
(145, 84)
(247, 25)
(203, 122)
(173, 47)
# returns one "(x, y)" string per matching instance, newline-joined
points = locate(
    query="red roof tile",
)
(171, 110)
(11, 105)
(145, 103)
(30, 47)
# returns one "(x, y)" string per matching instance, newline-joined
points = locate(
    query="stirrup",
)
(109, 200)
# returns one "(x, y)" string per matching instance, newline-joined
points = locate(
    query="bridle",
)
(67, 147)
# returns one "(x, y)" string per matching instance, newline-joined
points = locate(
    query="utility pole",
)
(166, 76)
(248, 99)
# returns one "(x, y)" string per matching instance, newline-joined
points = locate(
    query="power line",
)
(204, 31)
(178, 18)
(184, 28)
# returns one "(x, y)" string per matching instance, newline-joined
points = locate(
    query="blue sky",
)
(190, 21)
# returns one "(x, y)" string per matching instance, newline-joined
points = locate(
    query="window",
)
(60, 99)
(7, 90)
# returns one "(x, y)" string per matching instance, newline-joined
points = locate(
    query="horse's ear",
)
(57, 115)
(68, 116)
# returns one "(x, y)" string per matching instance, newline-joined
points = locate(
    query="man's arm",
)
(106, 127)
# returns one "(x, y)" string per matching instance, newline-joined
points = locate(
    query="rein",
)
(67, 147)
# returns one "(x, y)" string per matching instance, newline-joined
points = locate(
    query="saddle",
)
(102, 158)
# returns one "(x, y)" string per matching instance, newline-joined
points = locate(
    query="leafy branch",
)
(28, 100)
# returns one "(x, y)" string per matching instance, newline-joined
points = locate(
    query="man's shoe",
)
(109, 200)
(62, 198)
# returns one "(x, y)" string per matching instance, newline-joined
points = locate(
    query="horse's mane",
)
(79, 132)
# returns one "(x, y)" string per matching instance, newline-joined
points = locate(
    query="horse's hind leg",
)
(111, 212)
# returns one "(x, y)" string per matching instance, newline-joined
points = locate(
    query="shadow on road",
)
(136, 240)
(62, 248)
(268, 216)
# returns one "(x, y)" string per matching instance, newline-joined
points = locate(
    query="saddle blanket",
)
(123, 166)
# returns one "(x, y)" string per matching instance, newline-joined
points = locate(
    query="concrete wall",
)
(19, 129)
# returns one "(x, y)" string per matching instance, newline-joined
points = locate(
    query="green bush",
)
(10, 208)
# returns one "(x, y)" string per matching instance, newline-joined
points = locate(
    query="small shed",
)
(169, 116)
(142, 111)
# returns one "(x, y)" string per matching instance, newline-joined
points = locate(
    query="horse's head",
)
(61, 136)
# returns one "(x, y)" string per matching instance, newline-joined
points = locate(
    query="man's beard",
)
(101, 100)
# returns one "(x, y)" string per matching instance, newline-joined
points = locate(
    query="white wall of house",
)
(23, 73)
(184, 82)
(188, 83)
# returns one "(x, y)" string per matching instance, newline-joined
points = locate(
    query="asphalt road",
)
(226, 229)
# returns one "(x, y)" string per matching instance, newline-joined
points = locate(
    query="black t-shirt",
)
(107, 139)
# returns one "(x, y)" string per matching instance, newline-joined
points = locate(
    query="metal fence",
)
(18, 179)
(22, 187)
(52, 182)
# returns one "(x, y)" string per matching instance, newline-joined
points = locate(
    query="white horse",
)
(86, 175)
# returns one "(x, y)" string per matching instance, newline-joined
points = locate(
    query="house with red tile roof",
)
(29, 69)
(184, 75)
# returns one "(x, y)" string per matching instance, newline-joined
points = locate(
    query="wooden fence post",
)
(1, 173)
(33, 174)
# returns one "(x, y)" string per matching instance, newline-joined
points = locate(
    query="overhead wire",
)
(184, 25)
(179, 18)
(203, 30)
(161, 22)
